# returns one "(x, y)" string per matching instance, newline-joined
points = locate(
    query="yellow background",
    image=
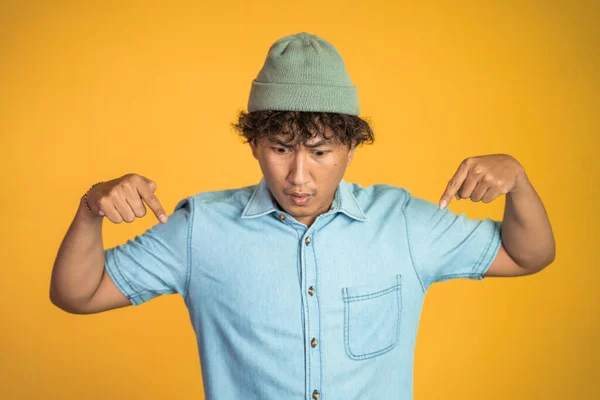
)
(93, 91)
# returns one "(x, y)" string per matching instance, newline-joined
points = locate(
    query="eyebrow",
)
(310, 146)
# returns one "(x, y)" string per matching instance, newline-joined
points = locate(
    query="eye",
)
(321, 153)
(279, 150)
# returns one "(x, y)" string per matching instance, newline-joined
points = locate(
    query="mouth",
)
(299, 198)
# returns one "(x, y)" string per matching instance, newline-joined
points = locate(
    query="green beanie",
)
(303, 72)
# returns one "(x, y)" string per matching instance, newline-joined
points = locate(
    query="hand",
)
(121, 199)
(484, 178)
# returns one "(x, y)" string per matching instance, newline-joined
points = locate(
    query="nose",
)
(299, 173)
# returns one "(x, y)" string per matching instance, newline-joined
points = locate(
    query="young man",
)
(303, 286)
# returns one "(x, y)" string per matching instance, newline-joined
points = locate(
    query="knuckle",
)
(114, 194)
(139, 211)
(488, 179)
(124, 178)
(103, 202)
(124, 185)
(135, 179)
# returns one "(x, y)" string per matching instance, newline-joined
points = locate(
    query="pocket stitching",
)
(347, 299)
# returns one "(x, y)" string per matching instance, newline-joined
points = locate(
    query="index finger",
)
(152, 201)
(454, 184)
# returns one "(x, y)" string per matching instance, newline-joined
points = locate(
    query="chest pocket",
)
(372, 317)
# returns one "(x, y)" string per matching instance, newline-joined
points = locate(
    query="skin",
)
(528, 244)
(315, 168)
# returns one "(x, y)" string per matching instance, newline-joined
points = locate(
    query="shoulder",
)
(228, 198)
(389, 198)
(379, 194)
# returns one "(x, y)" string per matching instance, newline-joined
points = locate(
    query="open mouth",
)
(299, 199)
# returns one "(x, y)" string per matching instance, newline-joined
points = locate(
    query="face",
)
(303, 179)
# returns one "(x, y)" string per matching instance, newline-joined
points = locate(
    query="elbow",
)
(549, 259)
(66, 306)
(58, 304)
(539, 265)
(69, 309)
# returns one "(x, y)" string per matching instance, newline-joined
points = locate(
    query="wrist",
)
(85, 212)
(88, 206)
(522, 184)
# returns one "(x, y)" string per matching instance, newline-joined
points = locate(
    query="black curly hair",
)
(301, 126)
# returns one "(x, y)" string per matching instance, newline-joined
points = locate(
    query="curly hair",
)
(301, 126)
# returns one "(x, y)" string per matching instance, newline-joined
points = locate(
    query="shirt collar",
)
(261, 202)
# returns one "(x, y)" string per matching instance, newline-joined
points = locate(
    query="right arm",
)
(80, 283)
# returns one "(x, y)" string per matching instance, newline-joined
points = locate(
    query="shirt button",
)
(307, 241)
(281, 217)
(316, 395)
(311, 290)
(313, 342)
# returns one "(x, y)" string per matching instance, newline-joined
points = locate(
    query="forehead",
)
(285, 140)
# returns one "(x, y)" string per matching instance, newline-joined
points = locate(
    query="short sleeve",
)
(155, 262)
(444, 245)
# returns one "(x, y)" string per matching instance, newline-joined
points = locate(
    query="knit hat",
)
(303, 72)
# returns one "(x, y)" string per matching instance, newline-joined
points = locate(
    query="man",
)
(303, 286)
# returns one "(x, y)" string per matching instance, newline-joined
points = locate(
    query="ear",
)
(351, 155)
(254, 149)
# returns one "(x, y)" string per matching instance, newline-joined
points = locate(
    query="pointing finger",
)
(146, 192)
(453, 185)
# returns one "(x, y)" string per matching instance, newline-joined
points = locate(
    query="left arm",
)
(527, 240)
(526, 232)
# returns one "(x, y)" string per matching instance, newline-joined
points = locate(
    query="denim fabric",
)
(260, 286)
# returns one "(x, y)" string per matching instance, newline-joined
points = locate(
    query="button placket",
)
(311, 341)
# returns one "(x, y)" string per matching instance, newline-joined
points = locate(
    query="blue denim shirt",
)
(282, 311)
